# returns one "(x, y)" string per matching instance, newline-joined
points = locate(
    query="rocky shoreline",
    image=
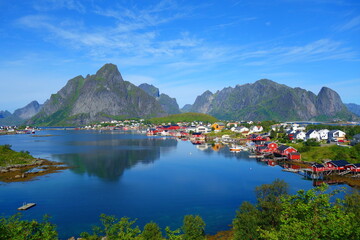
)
(29, 171)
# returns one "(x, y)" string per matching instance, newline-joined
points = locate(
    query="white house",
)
(299, 135)
(256, 129)
(336, 135)
(313, 134)
(324, 133)
(202, 129)
(240, 129)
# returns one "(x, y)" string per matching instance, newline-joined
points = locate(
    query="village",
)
(259, 139)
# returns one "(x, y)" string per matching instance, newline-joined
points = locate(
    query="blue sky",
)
(182, 47)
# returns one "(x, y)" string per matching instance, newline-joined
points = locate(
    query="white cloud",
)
(353, 23)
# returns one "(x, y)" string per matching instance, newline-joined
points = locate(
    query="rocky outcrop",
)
(99, 97)
(268, 100)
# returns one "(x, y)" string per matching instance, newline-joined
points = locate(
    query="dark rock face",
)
(168, 104)
(95, 98)
(354, 108)
(268, 100)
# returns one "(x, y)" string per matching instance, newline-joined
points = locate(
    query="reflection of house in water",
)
(217, 146)
(109, 161)
(202, 146)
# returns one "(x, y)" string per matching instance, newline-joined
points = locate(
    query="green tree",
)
(16, 229)
(193, 228)
(151, 232)
(173, 234)
(246, 222)
(311, 215)
(269, 202)
(113, 229)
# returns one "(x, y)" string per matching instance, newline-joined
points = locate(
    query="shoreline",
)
(29, 171)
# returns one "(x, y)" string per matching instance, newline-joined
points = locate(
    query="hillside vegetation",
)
(11, 157)
(184, 117)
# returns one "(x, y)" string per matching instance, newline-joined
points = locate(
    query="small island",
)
(21, 166)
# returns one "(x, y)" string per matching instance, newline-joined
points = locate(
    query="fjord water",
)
(148, 178)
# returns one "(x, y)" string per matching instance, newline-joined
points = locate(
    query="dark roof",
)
(340, 163)
(355, 164)
(262, 147)
(197, 133)
(294, 153)
(310, 132)
(318, 165)
(283, 147)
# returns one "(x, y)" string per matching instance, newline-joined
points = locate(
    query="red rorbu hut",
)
(337, 165)
(353, 167)
(285, 150)
(318, 168)
(294, 156)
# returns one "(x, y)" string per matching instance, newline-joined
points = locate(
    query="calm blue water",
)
(148, 178)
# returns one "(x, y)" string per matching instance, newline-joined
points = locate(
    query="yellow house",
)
(218, 126)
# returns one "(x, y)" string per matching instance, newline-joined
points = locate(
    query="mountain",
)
(20, 115)
(268, 100)
(186, 108)
(150, 89)
(28, 111)
(99, 97)
(168, 104)
(354, 108)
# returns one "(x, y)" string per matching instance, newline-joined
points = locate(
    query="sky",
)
(182, 47)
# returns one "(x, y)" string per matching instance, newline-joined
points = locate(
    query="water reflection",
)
(109, 158)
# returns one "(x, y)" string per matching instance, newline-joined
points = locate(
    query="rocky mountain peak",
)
(109, 72)
(329, 101)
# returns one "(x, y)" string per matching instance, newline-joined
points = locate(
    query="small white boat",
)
(235, 149)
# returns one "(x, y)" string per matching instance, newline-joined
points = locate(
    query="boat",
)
(235, 149)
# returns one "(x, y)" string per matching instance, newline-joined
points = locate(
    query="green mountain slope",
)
(95, 98)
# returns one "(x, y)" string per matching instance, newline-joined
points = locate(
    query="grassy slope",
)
(333, 152)
(11, 157)
(184, 117)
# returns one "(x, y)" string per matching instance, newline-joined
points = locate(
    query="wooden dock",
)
(27, 206)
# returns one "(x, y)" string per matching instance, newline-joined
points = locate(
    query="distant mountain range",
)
(265, 100)
(20, 115)
(354, 108)
(105, 96)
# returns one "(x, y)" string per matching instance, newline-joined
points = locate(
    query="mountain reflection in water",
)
(109, 158)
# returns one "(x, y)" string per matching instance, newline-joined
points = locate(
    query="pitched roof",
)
(318, 165)
(340, 163)
(283, 147)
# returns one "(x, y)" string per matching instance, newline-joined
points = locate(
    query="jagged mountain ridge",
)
(169, 104)
(268, 100)
(99, 97)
